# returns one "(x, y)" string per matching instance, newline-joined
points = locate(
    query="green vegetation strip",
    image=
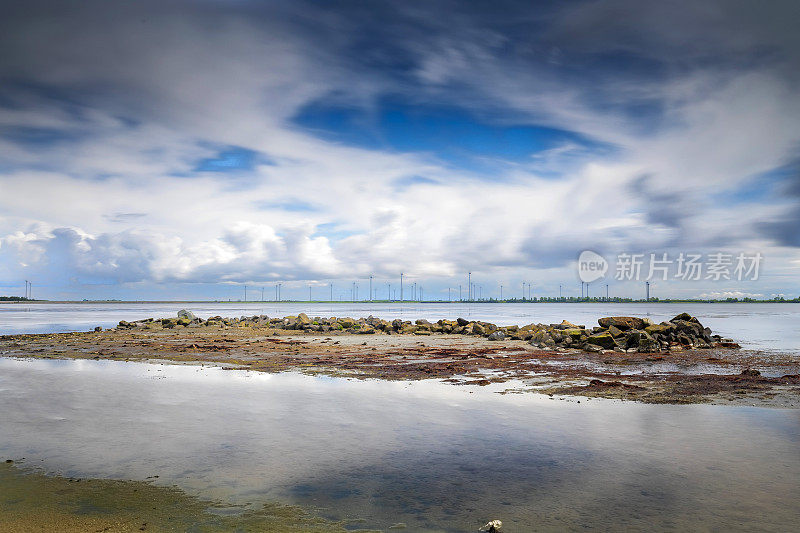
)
(32, 501)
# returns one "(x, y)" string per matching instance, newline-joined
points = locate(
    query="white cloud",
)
(722, 295)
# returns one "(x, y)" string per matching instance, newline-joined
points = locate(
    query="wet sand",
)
(33, 502)
(719, 376)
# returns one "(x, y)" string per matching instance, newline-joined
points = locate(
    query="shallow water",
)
(758, 326)
(436, 457)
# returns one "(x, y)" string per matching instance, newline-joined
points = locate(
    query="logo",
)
(591, 266)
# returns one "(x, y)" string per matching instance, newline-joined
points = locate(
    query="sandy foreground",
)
(719, 376)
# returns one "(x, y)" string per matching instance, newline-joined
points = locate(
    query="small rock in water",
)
(98, 328)
(492, 526)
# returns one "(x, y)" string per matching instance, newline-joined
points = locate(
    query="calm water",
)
(434, 456)
(759, 326)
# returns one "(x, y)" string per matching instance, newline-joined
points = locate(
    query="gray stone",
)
(622, 322)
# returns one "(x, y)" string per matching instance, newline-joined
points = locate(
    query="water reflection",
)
(434, 456)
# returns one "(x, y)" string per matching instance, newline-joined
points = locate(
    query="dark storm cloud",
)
(616, 54)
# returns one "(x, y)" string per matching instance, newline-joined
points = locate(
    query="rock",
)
(750, 372)
(614, 331)
(727, 343)
(682, 316)
(622, 322)
(633, 338)
(539, 336)
(691, 328)
(462, 322)
(685, 339)
(497, 336)
(565, 324)
(574, 334)
(183, 313)
(593, 348)
(493, 526)
(303, 319)
(647, 344)
(658, 329)
(98, 329)
(477, 329)
(602, 339)
(183, 322)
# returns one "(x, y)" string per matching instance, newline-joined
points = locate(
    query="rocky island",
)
(676, 361)
(621, 333)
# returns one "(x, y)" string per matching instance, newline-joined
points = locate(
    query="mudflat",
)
(717, 374)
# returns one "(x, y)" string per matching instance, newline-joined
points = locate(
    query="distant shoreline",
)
(393, 302)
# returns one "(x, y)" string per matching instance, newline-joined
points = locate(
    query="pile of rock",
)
(619, 333)
(632, 334)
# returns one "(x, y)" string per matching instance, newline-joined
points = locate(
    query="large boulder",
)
(188, 315)
(693, 328)
(303, 320)
(622, 322)
(660, 329)
(604, 340)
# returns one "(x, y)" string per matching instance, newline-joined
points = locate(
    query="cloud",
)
(722, 295)
(201, 142)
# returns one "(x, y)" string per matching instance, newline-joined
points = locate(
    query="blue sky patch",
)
(333, 231)
(291, 205)
(761, 188)
(452, 134)
(229, 160)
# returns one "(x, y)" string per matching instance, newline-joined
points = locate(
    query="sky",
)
(183, 150)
